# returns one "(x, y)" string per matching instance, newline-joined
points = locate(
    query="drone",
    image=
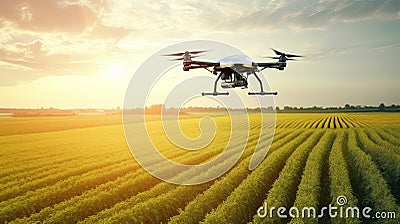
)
(234, 70)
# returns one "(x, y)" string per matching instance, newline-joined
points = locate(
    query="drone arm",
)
(194, 67)
(259, 70)
(187, 65)
(265, 65)
(204, 63)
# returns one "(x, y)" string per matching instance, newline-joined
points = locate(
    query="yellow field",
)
(79, 169)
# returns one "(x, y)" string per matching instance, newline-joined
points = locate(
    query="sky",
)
(83, 53)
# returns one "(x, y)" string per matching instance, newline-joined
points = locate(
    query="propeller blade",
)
(293, 56)
(291, 59)
(277, 52)
(196, 52)
(177, 59)
(287, 55)
(176, 54)
(271, 57)
(183, 53)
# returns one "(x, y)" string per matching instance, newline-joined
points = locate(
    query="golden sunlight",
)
(115, 71)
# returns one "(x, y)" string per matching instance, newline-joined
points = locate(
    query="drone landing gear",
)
(263, 93)
(215, 93)
(262, 90)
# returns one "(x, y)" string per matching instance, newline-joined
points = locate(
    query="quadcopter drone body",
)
(234, 70)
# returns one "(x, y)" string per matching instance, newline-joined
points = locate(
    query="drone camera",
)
(226, 75)
(227, 85)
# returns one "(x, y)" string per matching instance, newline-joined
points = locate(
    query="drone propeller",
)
(286, 55)
(183, 53)
(179, 59)
(286, 58)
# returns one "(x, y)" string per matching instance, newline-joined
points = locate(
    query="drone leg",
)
(262, 89)
(215, 83)
(259, 80)
(215, 93)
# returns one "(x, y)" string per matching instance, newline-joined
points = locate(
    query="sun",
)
(115, 71)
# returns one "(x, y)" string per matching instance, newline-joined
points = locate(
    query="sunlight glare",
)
(115, 71)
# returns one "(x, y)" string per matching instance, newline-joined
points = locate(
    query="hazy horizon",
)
(186, 107)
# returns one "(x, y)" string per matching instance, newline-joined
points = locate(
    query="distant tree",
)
(381, 107)
(154, 109)
(347, 106)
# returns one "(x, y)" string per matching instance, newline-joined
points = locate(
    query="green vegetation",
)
(69, 169)
(310, 188)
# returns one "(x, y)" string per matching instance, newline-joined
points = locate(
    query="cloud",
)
(71, 17)
(101, 31)
(300, 14)
(49, 37)
(36, 56)
(26, 61)
(47, 15)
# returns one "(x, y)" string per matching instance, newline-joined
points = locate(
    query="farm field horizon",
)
(79, 169)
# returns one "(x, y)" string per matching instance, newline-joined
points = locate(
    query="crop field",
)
(80, 169)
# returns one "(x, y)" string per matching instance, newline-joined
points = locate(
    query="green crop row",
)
(382, 137)
(340, 184)
(309, 190)
(387, 159)
(168, 204)
(34, 201)
(195, 211)
(104, 197)
(368, 181)
(63, 173)
(153, 192)
(283, 191)
(247, 197)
